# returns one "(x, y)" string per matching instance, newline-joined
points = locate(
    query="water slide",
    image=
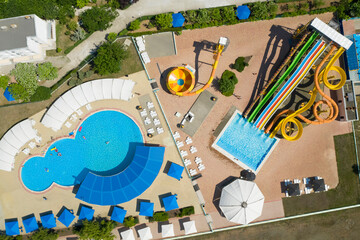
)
(284, 76)
(333, 108)
(291, 84)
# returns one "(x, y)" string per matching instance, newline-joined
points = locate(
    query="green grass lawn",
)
(348, 190)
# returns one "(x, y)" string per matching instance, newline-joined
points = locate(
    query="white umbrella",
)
(167, 230)
(190, 227)
(145, 233)
(127, 235)
(241, 201)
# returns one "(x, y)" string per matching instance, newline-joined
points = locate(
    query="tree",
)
(44, 234)
(46, 71)
(240, 64)
(122, 4)
(134, 25)
(95, 230)
(81, 3)
(109, 58)
(130, 221)
(41, 93)
(227, 83)
(25, 75)
(4, 81)
(111, 37)
(163, 20)
(72, 25)
(78, 35)
(18, 92)
(42, 8)
(354, 10)
(97, 18)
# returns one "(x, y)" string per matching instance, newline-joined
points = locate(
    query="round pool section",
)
(104, 144)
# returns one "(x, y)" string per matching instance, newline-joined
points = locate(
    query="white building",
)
(25, 39)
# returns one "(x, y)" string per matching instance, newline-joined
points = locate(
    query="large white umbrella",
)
(127, 235)
(167, 230)
(145, 233)
(190, 227)
(241, 201)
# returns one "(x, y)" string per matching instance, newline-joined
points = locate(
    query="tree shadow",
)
(278, 34)
(218, 189)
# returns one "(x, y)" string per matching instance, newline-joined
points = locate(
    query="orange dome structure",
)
(180, 80)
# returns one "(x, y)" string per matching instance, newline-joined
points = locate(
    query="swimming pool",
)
(244, 144)
(105, 145)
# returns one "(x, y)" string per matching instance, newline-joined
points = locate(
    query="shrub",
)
(5, 237)
(41, 93)
(178, 33)
(97, 18)
(159, 217)
(186, 211)
(111, 37)
(46, 71)
(58, 50)
(109, 58)
(123, 32)
(134, 25)
(44, 234)
(72, 25)
(240, 64)
(74, 82)
(81, 3)
(130, 221)
(18, 92)
(163, 20)
(228, 14)
(25, 75)
(78, 35)
(89, 73)
(4, 81)
(227, 83)
(95, 230)
(67, 32)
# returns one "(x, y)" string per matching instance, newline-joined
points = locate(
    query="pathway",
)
(141, 8)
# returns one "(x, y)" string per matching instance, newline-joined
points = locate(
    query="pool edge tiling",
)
(238, 159)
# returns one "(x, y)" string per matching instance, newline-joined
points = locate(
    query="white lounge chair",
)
(38, 139)
(153, 114)
(68, 125)
(188, 140)
(183, 153)
(193, 149)
(201, 167)
(177, 114)
(26, 151)
(73, 117)
(150, 105)
(159, 130)
(147, 121)
(143, 113)
(32, 145)
(198, 160)
(79, 112)
(187, 162)
(156, 121)
(179, 144)
(151, 130)
(176, 135)
(88, 106)
(193, 172)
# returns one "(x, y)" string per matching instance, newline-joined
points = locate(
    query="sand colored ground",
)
(16, 201)
(268, 43)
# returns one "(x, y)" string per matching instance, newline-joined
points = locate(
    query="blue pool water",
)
(245, 142)
(105, 146)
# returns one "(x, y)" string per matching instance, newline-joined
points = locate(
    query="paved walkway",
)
(141, 8)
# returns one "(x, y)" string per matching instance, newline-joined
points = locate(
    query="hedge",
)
(186, 211)
(159, 217)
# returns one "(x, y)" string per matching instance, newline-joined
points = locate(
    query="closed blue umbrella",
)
(86, 213)
(48, 220)
(66, 217)
(30, 224)
(178, 20)
(118, 214)
(243, 12)
(175, 171)
(170, 202)
(12, 227)
(146, 209)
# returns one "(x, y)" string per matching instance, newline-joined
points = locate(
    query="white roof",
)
(88, 92)
(51, 122)
(116, 88)
(167, 230)
(19, 134)
(97, 89)
(28, 129)
(6, 147)
(5, 166)
(71, 101)
(127, 235)
(241, 201)
(56, 113)
(12, 140)
(6, 157)
(63, 106)
(145, 233)
(189, 227)
(126, 91)
(79, 95)
(331, 33)
(107, 85)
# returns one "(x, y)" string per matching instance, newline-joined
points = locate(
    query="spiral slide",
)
(319, 78)
(291, 84)
(284, 76)
(180, 80)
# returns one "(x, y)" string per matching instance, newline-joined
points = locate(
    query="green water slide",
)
(284, 76)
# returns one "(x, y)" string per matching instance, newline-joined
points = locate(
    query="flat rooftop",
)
(13, 32)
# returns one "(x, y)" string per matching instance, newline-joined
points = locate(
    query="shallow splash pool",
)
(244, 144)
(105, 145)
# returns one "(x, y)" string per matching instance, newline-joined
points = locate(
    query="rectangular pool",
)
(244, 144)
